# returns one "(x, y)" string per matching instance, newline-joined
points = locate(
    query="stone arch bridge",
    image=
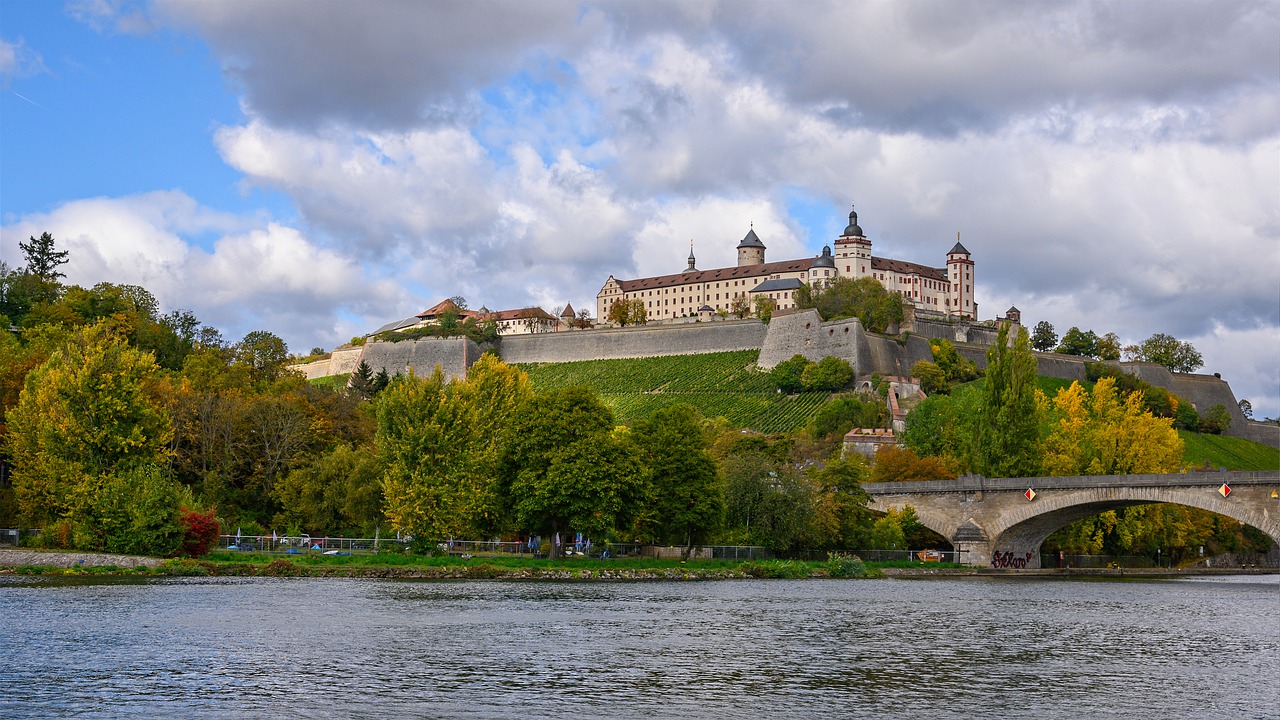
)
(996, 522)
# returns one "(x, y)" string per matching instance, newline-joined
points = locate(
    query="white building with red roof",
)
(944, 290)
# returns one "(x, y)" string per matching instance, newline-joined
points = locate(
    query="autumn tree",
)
(441, 445)
(685, 499)
(840, 517)
(895, 464)
(1099, 432)
(264, 353)
(628, 312)
(1009, 423)
(763, 306)
(740, 306)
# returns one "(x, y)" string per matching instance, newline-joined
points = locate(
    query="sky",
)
(318, 169)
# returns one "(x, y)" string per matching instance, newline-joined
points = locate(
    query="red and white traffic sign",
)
(1030, 494)
(1224, 490)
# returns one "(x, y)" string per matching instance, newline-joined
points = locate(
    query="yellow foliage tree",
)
(1104, 433)
(94, 409)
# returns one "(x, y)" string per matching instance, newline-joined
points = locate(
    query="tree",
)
(1108, 347)
(628, 312)
(740, 306)
(565, 469)
(582, 321)
(947, 427)
(93, 410)
(841, 518)
(442, 447)
(1216, 420)
(764, 307)
(845, 412)
(1079, 342)
(264, 353)
(767, 503)
(1099, 432)
(1246, 408)
(788, 375)
(932, 380)
(864, 298)
(895, 464)
(338, 491)
(686, 499)
(1174, 354)
(828, 374)
(954, 367)
(1009, 423)
(1043, 338)
(42, 259)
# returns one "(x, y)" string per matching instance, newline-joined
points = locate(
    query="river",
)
(898, 648)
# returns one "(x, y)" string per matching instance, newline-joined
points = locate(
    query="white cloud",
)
(258, 276)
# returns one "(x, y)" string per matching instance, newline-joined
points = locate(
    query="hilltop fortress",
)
(939, 303)
(694, 293)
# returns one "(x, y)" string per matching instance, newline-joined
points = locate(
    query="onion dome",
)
(825, 260)
(852, 229)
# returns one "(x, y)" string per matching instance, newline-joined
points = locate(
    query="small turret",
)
(692, 262)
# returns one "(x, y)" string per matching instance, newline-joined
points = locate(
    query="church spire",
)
(692, 267)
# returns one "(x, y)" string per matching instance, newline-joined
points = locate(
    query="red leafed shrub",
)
(199, 532)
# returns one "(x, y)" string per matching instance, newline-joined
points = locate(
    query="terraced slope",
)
(723, 384)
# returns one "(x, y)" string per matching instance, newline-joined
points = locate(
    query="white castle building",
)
(945, 291)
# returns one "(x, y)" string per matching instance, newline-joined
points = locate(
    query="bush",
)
(199, 532)
(1216, 420)
(775, 569)
(932, 380)
(840, 565)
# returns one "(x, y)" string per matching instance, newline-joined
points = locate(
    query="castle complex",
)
(945, 291)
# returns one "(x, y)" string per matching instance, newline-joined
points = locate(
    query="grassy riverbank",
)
(496, 568)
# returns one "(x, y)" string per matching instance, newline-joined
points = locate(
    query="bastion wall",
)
(635, 342)
(452, 355)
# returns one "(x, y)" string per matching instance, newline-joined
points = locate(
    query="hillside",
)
(1230, 453)
(724, 384)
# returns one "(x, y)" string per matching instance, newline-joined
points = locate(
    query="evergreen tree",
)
(42, 259)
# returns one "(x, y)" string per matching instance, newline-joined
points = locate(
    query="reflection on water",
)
(941, 648)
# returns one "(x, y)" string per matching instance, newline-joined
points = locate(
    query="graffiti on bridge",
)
(1009, 560)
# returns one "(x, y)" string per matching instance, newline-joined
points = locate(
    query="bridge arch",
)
(1030, 525)
(994, 520)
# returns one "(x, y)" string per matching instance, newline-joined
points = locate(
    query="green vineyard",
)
(723, 384)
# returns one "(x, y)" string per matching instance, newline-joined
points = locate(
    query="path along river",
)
(918, 648)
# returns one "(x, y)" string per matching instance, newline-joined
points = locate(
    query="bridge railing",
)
(978, 483)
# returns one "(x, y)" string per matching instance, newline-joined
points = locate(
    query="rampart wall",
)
(452, 355)
(804, 333)
(644, 341)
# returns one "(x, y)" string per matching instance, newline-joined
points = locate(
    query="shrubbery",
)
(800, 374)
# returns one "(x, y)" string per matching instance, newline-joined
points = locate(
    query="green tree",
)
(788, 375)
(845, 412)
(767, 503)
(1079, 342)
(565, 469)
(93, 409)
(1009, 424)
(1216, 420)
(841, 518)
(442, 448)
(954, 367)
(764, 307)
(1176, 355)
(932, 380)
(686, 498)
(1043, 338)
(264, 353)
(864, 298)
(1108, 347)
(339, 491)
(43, 260)
(828, 374)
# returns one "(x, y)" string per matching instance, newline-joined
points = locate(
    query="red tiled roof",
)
(717, 275)
(908, 268)
(442, 306)
(518, 314)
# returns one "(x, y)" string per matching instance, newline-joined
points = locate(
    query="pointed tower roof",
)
(958, 249)
(568, 311)
(692, 262)
(751, 240)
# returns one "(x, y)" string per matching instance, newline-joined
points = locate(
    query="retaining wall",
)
(453, 356)
(635, 342)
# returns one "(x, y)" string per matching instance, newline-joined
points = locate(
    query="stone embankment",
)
(38, 558)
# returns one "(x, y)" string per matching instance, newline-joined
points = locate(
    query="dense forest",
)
(129, 430)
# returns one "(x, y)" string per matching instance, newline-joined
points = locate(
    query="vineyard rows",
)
(725, 384)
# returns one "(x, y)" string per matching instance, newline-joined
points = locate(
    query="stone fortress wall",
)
(784, 336)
